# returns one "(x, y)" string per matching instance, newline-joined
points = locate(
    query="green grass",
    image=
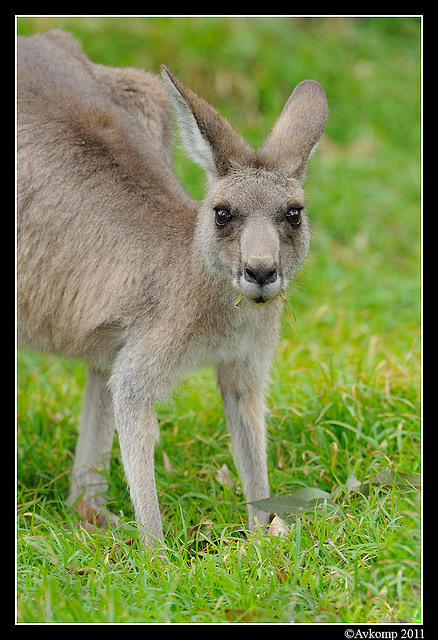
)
(345, 391)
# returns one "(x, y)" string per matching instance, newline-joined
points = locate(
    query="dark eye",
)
(221, 216)
(293, 216)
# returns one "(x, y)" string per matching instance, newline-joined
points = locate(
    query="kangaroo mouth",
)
(260, 301)
(258, 295)
(256, 300)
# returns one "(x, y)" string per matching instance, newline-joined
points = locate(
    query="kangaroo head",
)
(252, 227)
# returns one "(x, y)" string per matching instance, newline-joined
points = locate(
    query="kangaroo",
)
(119, 266)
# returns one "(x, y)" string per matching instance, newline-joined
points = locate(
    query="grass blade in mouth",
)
(290, 310)
(237, 300)
(285, 299)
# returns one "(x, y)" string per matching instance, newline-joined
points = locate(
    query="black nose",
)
(261, 275)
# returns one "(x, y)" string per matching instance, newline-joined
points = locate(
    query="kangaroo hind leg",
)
(92, 456)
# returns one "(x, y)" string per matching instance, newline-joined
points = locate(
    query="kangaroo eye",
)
(293, 216)
(222, 216)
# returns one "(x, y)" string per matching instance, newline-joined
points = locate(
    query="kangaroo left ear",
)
(207, 136)
(298, 129)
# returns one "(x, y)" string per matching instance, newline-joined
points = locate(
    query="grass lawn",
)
(344, 403)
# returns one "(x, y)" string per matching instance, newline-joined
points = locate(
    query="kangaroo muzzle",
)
(260, 278)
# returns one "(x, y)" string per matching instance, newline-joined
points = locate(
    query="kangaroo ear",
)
(207, 136)
(298, 129)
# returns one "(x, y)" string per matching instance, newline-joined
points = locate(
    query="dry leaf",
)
(223, 476)
(86, 511)
(166, 463)
(298, 502)
(352, 482)
(83, 524)
(199, 532)
(204, 526)
(116, 558)
(386, 478)
(277, 527)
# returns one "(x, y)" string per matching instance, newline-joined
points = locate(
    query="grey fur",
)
(119, 266)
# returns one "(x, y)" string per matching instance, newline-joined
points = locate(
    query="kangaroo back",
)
(94, 164)
(54, 72)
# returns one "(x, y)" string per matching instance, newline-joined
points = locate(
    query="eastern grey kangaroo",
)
(117, 265)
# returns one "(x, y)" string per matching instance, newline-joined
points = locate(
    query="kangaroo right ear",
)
(207, 136)
(298, 129)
